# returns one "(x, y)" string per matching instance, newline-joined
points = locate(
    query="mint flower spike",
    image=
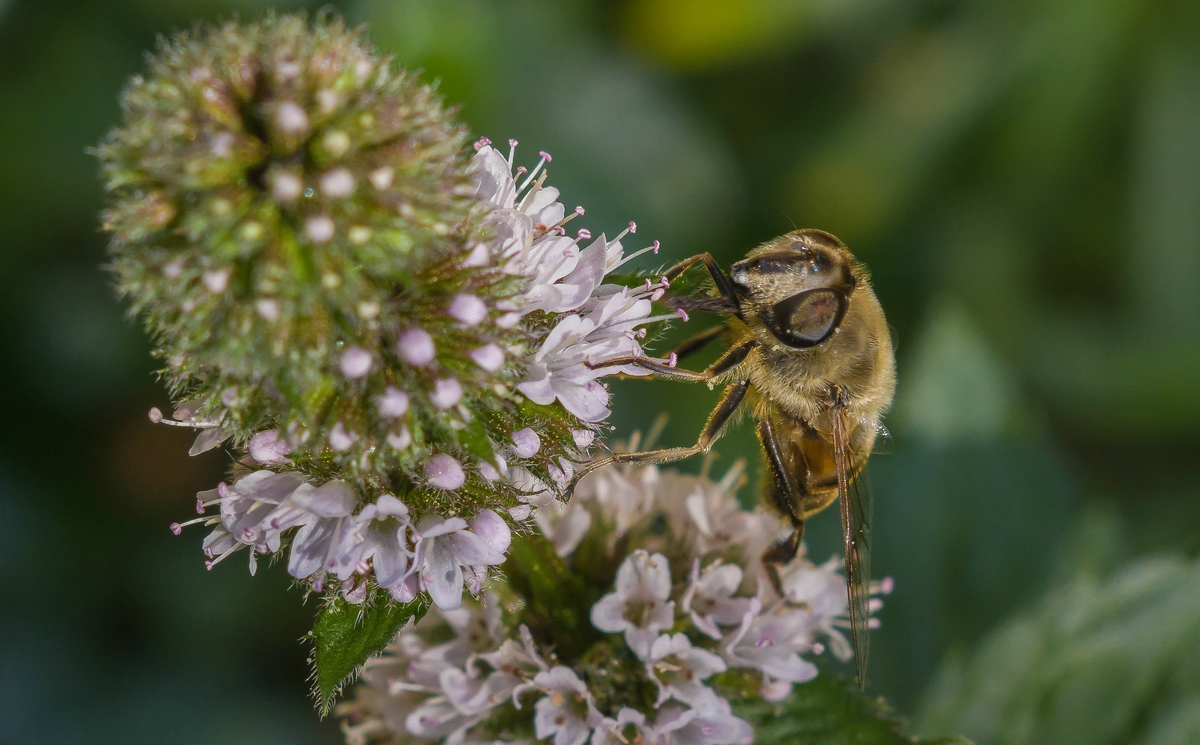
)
(396, 332)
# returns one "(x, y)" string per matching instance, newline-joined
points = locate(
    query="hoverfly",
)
(811, 355)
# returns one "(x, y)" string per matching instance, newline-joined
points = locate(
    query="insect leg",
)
(787, 498)
(718, 276)
(730, 401)
(733, 357)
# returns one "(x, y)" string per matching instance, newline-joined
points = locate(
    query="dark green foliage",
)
(828, 711)
(1097, 662)
(345, 635)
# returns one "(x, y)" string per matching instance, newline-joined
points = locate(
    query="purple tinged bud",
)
(490, 357)
(393, 403)
(467, 310)
(287, 187)
(216, 281)
(520, 512)
(447, 392)
(356, 362)
(444, 472)
(399, 440)
(583, 438)
(173, 269)
(416, 347)
(482, 143)
(381, 178)
(526, 443)
(337, 183)
(268, 309)
(156, 414)
(176, 528)
(478, 256)
(319, 228)
(290, 118)
(339, 439)
(488, 471)
(491, 528)
(267, 448)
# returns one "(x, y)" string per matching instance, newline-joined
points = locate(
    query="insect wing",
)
(854, 502)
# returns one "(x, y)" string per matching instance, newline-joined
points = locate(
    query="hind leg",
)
(785, 494)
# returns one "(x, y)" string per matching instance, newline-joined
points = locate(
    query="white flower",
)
(564, 525)
(316, 547)
(709, 598)
(255, 512)
(770, 643)
(616, 731)
(623, 495)
(639, 607)
(438, 717)
(713, 725)
(527, 221)
(379, 537)
(267, 448)
(565, 366)
(445, 547)
(566, 711)
(819, 590)
(678, 669)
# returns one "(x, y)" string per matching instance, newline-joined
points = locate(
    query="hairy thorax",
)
(857, 360)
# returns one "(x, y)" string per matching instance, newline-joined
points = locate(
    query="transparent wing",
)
(854, 502)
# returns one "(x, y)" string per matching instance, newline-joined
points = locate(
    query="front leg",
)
(729, 403)
(719, 279)
(733, 357)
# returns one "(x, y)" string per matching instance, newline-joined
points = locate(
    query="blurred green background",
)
(1022, 178)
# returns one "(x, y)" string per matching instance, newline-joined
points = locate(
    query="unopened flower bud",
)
(416, 347)
(444, 472)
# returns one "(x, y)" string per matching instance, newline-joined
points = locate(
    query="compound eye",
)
(806, 319)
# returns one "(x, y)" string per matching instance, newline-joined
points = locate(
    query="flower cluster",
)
(685, 623)
(598, 322)
(437, 555)
(383, 322)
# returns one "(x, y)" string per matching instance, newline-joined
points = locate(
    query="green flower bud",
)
(294, 218)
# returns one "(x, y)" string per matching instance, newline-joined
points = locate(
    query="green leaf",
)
(828, 711)
(345, 635)
(1096, 661)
